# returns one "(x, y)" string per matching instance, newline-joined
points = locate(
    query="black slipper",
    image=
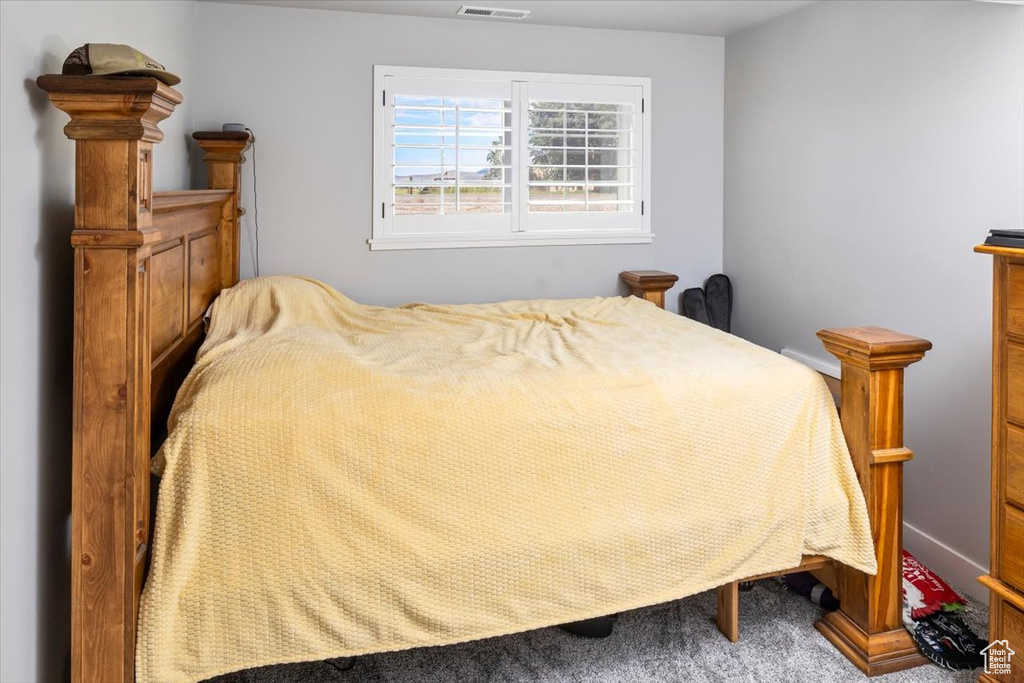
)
(718, 295)
(694, 306)
(957, 635)
(946, 640)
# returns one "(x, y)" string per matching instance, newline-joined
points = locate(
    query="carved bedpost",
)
(868, 628)
(224, 158)
(649, 285)
(114, 125)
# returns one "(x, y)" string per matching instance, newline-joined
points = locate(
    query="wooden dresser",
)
(1006, 574)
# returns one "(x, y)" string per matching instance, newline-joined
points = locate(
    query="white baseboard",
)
(955, 568)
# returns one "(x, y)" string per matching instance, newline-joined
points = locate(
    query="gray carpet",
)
(672, 642)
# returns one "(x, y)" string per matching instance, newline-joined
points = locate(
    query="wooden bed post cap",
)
(111, 108)
(874, 348)
(649, 279)
(223, 146)
(649, 285)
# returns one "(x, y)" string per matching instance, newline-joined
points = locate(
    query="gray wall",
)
(307, 93)
(869, 147)
(37, 187)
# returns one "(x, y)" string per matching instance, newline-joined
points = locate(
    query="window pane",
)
(451, 155)
(544, 141)
(605, 198)
(406, 101)
(547, 199)
(622, 175)
(484, 118)
(483, 137)
(418, 117)
(418, 156)
(604, 140)
(547, 157)
(608, 157)
(421, 138)
(484, 159)
(482, 200)
(482, 103)
(417, 175)
(471, 159)
(575, 120)
(575, 157)
(554, 173)
(590, 144)
(557, 193)
(598, 121)
(417, 201)
(547, 120)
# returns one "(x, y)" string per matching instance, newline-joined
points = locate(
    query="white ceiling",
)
(701, 17)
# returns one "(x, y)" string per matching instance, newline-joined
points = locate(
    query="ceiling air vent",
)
(493, 12)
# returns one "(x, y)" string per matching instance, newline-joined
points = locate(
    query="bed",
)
(148, 265)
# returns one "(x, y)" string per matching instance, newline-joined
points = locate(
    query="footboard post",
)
(868, 628)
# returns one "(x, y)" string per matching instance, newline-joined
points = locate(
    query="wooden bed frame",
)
(148, 264)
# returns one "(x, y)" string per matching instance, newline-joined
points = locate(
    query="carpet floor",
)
(666, 643)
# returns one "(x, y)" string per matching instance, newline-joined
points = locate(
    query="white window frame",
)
(467, 231)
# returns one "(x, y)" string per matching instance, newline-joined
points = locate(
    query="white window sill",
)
(505, 240)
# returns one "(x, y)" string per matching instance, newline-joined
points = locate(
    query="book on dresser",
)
(1005, 579)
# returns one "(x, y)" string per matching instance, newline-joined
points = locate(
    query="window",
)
(483, 158)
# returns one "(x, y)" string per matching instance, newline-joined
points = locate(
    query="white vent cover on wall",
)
(493, 12)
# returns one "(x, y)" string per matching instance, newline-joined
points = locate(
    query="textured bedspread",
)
(342, 479)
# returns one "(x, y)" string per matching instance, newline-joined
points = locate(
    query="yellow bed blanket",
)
(342, 479)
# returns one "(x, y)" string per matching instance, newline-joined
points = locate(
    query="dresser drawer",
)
(1013, 631)
(1012, 547)
(1014, 382)
(1013, 466)
(1015, 300)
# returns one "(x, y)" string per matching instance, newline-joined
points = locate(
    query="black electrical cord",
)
(255, 207)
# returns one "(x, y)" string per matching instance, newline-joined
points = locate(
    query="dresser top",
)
(999, 251)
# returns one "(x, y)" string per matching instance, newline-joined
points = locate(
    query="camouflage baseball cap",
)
(107, 59)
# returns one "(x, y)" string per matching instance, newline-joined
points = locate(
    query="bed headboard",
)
(147, 265)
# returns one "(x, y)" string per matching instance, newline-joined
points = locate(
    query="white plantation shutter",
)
(448, 144)
(472, 158)
(582, 157)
